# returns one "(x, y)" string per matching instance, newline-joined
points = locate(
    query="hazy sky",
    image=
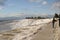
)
(10, 8)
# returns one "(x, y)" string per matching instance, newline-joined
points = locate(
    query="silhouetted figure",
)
(56, 15)
(59, 20)
(53, 22)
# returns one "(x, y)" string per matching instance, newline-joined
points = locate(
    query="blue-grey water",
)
(5, 26)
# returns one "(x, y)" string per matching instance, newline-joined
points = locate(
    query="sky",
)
(9, 8)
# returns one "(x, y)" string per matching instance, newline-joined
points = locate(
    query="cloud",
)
(1, 7)
(44, 2)
(35, 0)
(56, 5)
(36, 6)
(2, 3)
(12, 15)
(15, 14)
(10, 5)
(41, 14)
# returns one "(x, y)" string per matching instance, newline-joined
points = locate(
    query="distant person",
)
(59, 20)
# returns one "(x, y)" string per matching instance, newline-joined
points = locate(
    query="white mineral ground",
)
(27, 29)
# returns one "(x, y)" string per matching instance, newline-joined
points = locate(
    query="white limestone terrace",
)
(24, 29)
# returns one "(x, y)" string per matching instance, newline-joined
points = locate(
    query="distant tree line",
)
(39, 17)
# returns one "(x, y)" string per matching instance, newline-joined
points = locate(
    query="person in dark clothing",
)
(59, 20)
(56, 15)
(53, 22)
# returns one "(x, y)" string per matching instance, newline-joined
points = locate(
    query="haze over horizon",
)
(15, 8)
